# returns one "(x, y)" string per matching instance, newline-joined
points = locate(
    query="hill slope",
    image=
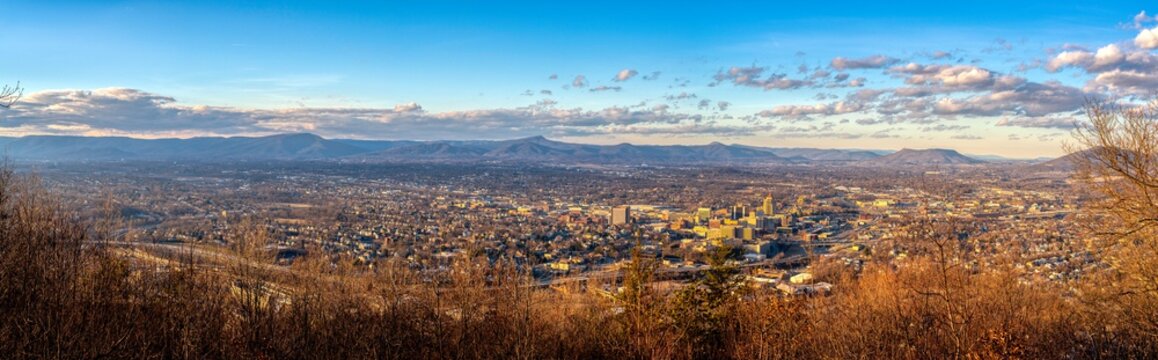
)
(531, 149)
(923, 157)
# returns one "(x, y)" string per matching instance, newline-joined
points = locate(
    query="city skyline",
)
(982, 78)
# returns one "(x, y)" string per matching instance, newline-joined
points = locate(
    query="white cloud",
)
(1125, 82)
(579, 81)
(965, 76)
(1147, 38)
(803, 112)
(870, 62)
(130, 112)
(1078, 58)
(754, 77)
(953, 76)
(119, 107)
(683, 95)
(1049, 122)
(1116, 70)
(1108, 55)
(1031, 99)
(625, 75)
(1141, 19)
(407, 107)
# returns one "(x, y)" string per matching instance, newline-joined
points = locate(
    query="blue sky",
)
(983, 77)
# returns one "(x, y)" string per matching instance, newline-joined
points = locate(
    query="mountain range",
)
(924, 157)
(1072, 161)
(535, 149)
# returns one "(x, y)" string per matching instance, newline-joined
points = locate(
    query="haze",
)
(992, 77)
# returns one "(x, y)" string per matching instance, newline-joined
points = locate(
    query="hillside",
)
(531, 149)
(923, 157)
(1064, 163)
(810, 154)
(79, 148)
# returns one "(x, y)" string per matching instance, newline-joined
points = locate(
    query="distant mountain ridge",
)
(1064, 163)
(542, 149)
(924, 157)
(1069, 162)
(533, 149)
(66, 148)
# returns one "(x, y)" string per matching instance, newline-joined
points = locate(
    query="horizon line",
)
(544, 137)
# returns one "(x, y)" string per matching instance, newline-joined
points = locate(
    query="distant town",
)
(567, 222)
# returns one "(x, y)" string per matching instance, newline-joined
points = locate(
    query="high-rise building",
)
(748, 233)
(620, 215)
(760, 247)
(728, 232)
(738, 211)
(703, 214)
(769, 209)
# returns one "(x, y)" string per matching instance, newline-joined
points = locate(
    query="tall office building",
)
(738, 211)
(769, 209)
(620, 215)
(703, 214)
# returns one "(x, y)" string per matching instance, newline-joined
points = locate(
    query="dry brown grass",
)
(64, 296)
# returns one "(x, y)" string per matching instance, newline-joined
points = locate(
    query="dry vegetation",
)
(66, 293)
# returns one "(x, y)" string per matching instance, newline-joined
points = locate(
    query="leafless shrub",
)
(10, 94)
(65, 294)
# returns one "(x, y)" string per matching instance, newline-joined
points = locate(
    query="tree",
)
(1116, 157)
(642, 306)
(704, 310)
(637, 297)
(10, 94)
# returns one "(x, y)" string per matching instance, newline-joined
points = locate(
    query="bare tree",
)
(10, 94)
(1116, 157)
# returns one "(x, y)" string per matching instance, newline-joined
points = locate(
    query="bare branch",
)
(10, 94)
